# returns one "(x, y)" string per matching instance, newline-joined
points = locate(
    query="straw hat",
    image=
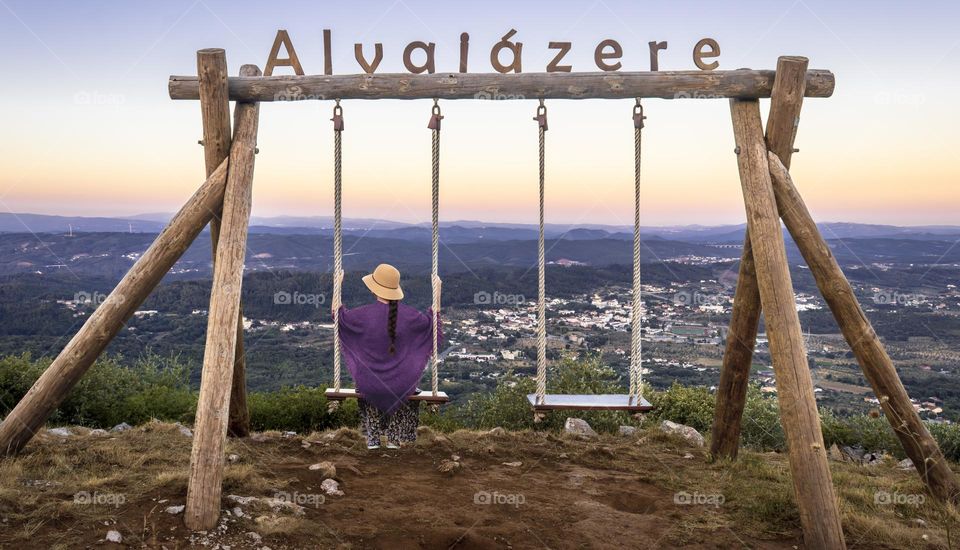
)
(385, 282)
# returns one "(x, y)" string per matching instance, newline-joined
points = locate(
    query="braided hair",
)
(392, 325)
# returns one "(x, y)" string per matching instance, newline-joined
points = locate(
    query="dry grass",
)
(147, 466)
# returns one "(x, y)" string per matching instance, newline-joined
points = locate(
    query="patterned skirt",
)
(399, 427)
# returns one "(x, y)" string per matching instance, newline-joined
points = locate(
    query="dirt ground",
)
(462, 490)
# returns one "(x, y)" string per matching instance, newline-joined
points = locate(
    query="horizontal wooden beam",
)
(741, 83)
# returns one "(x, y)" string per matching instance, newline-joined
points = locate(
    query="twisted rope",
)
(636, 346)
(435, 242)
(337, 242)
(541, 119)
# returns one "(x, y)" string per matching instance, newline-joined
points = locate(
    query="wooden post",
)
(876, 364)
(206, 458)
(61, 376)
(813, 486)
(215, 114)
(741, 83)
(785, 103)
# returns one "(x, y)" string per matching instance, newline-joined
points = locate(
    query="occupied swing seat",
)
(423, 395)
(596, 402)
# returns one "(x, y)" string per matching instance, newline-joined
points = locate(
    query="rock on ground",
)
(175, 509)
(578, 427)
(448, 466)
(114, 536)
(60, 432)
(835, 453)
(331, 487)
(691, 435)
(121, 427)
(327, 469)
(185, 431)
(628, 430)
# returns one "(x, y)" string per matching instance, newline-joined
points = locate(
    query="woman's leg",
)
(370, 422)
(402, 426)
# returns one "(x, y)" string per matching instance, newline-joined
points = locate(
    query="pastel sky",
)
(90, 130)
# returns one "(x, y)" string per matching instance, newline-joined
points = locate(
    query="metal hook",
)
(337, 117)
(435, 116)
(541, 117)
(638, 116)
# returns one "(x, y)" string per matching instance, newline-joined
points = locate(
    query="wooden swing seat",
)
(349, 393)
(597, 402)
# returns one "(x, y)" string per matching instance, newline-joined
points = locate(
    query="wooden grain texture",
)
(781, 131)
(72, 363)
(206, 458)
(215, 116)
(863, 340)
(810, 471)
(742, 83)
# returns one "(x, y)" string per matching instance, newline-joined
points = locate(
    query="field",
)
(466, 489)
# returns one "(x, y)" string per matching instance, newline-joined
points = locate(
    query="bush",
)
(110, 393)
(508, 407)
(153, 387)
(760, 427)
(948, 436)
(298, 409)
(688, 405)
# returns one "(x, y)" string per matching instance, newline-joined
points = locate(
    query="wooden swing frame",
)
(764, 281)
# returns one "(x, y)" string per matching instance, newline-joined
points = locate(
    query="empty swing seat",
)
(597, 402)
(348, 393)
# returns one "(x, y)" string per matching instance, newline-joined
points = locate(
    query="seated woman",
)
(386, 346)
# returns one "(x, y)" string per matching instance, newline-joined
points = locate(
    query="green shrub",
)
(155, 387)
(688, 405)
(948, 436)
(508, 407)
(298, 409)
(760, 427)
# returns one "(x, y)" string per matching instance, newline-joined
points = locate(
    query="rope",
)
(541, 119)
(434, 124)
(636, 346)
(337, 242)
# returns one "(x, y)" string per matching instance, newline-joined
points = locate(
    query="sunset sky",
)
(90, 130)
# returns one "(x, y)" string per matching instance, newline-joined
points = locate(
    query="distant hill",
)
(460, 231)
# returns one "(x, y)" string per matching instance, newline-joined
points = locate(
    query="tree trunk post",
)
(215, 114)
(740, 83)
(786, 101)
(68, 368)
(863, 340)
(206, 458)
(810, 471)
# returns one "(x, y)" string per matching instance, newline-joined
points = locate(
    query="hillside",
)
(501, 490)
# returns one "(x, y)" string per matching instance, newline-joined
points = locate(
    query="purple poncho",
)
(386, 380)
